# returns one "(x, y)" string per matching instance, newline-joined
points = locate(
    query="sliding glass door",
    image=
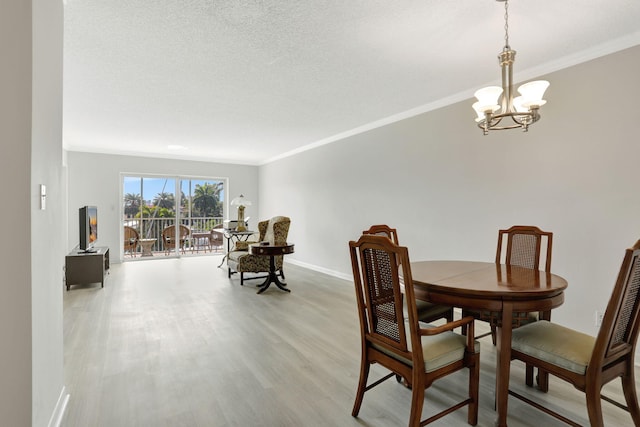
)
(170, 216)
(203, 203)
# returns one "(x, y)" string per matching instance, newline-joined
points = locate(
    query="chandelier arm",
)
(520, 120)
(513, 126)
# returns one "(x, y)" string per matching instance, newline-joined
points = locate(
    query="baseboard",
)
(320, 269)
(59, 410)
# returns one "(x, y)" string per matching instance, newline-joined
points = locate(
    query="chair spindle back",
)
(378, 291)
(524, 244)
(620, 324)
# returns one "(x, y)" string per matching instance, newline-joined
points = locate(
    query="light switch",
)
(43, 196)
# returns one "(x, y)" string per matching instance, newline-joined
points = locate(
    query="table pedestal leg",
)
(272, 278)
(503, 364)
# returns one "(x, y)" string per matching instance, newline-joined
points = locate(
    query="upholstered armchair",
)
(239, 260)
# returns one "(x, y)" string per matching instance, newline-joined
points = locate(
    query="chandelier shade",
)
(495, 104)
(533, 92)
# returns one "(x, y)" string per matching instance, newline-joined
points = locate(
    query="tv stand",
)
(86, 267)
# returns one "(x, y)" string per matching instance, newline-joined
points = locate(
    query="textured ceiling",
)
(247, 81)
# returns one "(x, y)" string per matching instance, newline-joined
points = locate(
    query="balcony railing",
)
(151, 228)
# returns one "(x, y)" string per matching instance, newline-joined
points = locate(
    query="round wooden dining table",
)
(500, 289)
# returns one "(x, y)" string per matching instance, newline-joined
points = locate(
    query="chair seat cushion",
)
(243, 261)
(555, 344)
(438, 350)
(235, 255)
(427, 310)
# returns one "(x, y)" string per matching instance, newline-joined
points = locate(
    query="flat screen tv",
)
(88, 228)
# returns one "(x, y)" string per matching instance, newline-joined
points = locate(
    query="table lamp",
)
(240, 202)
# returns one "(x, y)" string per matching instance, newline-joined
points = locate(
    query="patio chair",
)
(131, 238)
(217, 239)
(419, 354)
(590, 362)
(427, 312)
(169, 238)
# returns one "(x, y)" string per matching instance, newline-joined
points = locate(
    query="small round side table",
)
(146, 245)
(271, 251)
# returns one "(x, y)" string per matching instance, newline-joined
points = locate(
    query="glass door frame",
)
(178, 218)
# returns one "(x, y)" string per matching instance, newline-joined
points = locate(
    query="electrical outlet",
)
(599, 316)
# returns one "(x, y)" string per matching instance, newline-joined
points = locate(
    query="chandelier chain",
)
(506, 24)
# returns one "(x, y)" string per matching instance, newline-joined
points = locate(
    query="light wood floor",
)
(174, 342)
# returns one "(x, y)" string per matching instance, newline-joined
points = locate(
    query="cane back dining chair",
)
(169, 238)
(427, 312)
(418, 353)
(591, 362)
(131, 238)
(524, 244)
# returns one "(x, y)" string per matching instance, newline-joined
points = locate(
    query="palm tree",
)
(163, 213)
(131, 204)
(165, 200)
(184, 202)
(206, 199)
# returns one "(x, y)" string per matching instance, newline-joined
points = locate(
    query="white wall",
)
(31, 369)
(15, 170)
(95, 179)
(47, 226)
(447, 189)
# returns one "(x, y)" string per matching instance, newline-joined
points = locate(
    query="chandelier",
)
(517, 113)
